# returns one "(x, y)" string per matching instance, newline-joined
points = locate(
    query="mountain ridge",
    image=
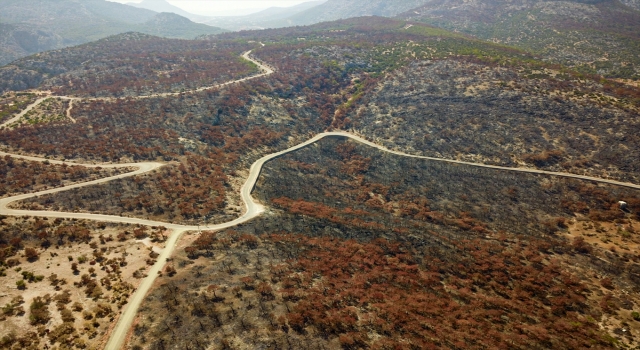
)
(272, 17)
(164, 6)
(32, 26)
(342, 9)
(316, 12)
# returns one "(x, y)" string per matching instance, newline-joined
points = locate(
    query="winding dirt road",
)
(69, 111)
(496, 167)
(252, 208)
(264, 68)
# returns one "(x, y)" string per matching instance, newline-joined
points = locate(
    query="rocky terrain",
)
(632, 3)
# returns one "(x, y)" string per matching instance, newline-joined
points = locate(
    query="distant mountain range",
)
(164, 6)
(315, 12)
(333, 10)
(32, 26)
(274, 17)
(594, 36)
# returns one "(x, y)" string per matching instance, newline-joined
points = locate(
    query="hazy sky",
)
(225, 7)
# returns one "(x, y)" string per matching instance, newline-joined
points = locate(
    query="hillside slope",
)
(170, 25)
(32, 26)
(341, 9)
(119, 63)
(21, 40)
(315, 12)
(273, 17)
(165, 6)
(595, 36)
(357, 248)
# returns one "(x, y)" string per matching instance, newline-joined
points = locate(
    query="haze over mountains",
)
(32, 26)
(273, 17)
(340, 9)
(554, 29)
(315, 12)
(164, 6)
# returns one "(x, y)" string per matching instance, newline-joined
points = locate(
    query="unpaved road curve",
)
(69, 111)
(265, 70)
(496, 167)
(125, 321)
(38, 102)
(252, 208)
(142, 168)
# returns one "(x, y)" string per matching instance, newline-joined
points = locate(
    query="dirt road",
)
(252, 208)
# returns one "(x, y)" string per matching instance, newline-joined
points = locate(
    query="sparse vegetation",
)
(11, 104)
(49, 293)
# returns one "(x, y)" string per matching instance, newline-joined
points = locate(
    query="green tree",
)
(21, 285)
(39, 311)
